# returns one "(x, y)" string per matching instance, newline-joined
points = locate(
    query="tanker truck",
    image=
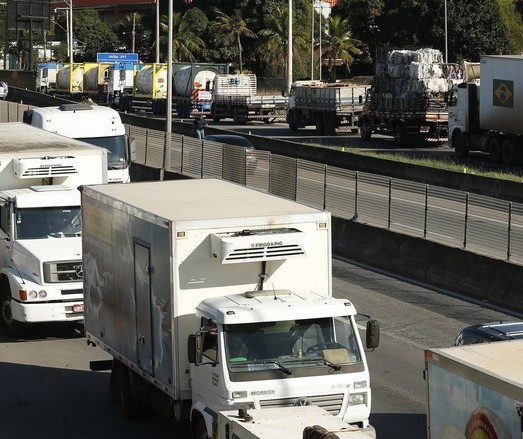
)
(235, 97)
(487, 118)
(192, 87)
(95, 80)
(70, 80)
(119, 79)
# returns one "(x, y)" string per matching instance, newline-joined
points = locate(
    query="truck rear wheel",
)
(494, 149)
(365, 129)
(508, 152)
(122, 393)
(291, 120)
(198, 428)
(329, 124)
(319, 124)
(400, 134)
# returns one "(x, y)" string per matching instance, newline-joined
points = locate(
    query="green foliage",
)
(186, 45)
(134, 24)
(90, 30)
(512, 17)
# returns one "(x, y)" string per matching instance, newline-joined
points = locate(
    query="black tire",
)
(365, 129)
(291, 120)
(329, 124)
(400, 135)
(318, 117)
(122, 394)
(508, 152)
(459, 142)
(198, 428)
(494, 150)
(10, 326)
(214, 117)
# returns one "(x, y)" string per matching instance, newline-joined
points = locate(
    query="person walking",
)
(199, 125)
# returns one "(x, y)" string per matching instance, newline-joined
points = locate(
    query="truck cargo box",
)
(501, 93)
(475, 391)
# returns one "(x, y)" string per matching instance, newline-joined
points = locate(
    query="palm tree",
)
(186, 44)
(273, 47)
(338, 42)
(230, 29)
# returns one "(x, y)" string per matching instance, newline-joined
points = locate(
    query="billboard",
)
(97, 3)
(28, 15)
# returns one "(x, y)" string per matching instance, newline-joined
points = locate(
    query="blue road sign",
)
(116, 57)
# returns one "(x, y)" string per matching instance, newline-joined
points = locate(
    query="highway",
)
(48, 390)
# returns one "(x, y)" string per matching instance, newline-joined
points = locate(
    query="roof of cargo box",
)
(203, 200)
(23, 139)
(500, 359)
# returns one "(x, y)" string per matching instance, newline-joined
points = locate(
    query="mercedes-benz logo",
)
(79, 270)
(302, 402)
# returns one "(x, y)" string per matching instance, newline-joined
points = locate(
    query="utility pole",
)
(289, 49)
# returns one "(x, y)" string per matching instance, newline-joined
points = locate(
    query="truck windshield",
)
(48, 222)
(285, 345)
(115, 145)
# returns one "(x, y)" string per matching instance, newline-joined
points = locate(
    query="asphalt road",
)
(48, 390)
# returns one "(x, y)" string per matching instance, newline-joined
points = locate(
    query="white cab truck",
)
(325, 106)
(300, 422)
(475, 391)
(40, 224)
(487, 118)
(97, 125)
(235, 97)
(45, 76)
(210, 296)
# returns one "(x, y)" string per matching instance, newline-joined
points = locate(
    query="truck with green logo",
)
(487, 118)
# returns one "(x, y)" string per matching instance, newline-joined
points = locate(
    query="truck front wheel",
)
(198, 428)
(291, 120)
(400, 134)
(460, 144)
(9, 325)
(122, 393)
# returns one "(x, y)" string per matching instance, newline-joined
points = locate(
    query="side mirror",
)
(373, 334)
(131, 142)
(194, 351)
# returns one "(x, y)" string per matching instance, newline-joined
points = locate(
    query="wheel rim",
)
(7, 314)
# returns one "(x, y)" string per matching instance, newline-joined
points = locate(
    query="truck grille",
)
(331, 403)
(67, 271)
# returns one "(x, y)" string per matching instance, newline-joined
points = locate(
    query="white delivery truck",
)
(97, 125)
(487, 118)
(40, 224)
(475, 391)
(210, 295)
(300, 422)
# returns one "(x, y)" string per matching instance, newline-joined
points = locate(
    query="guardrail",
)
(451, 217)
(460, 219)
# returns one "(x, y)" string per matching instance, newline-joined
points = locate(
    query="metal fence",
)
(474, 222)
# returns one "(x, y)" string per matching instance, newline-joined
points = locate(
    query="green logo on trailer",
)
(503, 95)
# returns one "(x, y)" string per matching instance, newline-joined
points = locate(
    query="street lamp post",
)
(289, 49)
(446, 35)
(71, 50)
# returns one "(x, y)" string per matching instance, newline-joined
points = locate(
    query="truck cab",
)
(41, 257)
(93, 124)
(277, 348)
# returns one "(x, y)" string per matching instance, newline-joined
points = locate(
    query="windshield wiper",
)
(280, 366)
(335, 366)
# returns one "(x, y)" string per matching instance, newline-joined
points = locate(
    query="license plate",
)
(78, 308)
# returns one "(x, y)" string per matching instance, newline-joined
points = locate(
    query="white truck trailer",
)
(487, 118)
(475, 391)
(301, 422)
(97, 125)
(45, 76)
(40, 224)
(325, 106)
(235, 97)
(210, 295)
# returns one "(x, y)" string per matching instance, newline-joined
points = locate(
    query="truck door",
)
(142, 291)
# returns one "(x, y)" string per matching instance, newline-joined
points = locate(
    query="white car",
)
(3, 89)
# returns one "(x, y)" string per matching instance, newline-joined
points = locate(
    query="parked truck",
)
(475, 391)
(97, 125)
(45, 76)
(40, 224)
(486, 118)
(119, 79)
(327, 106)
(407, 96)
(192, 88)
(301, 422)
(70, 80)
(234, 96)
(209, 295)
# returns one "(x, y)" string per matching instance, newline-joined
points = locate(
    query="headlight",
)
(360, 384)
(42, 294)
(32, 294)
(239, 394)
(358, 398)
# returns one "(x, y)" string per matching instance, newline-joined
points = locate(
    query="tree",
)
(133, 35)
(338, 43)
(230, 29)
(94, 35)
(186, 44)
